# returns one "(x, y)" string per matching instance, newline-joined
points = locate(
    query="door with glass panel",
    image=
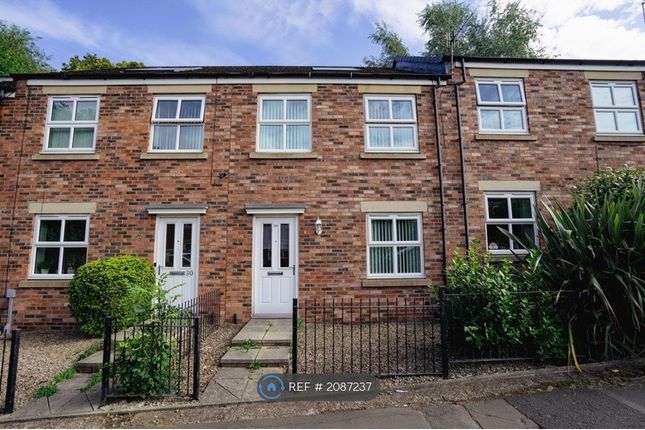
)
(275, 266)
(177, 256)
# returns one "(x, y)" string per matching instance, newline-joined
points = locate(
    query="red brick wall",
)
(560, 115)
(123, 185)
(331, 186)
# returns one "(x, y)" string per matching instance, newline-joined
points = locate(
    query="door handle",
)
(293, 270)
(275, 273)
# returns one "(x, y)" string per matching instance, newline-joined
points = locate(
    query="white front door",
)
(177, 256)
(275, 263)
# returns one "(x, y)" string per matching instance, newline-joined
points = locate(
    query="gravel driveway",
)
(43, 355)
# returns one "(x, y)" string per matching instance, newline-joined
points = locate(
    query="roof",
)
(236, 72)
(551, 61)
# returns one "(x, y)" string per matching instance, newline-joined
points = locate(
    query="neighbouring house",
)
(269, 183)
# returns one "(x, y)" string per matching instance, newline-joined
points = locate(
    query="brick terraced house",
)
(268, 183)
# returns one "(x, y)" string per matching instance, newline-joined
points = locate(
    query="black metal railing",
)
(478, 332)
(208, 306)
(9, 369)
(381, 336)
(158, 357)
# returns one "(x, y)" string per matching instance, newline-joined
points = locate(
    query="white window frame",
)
(394, 244)
(178, 122)
(284, 122)
(391, 123)
(509, 221)
(60, 244)
(501, 106)
(72, 124)
(613, 109)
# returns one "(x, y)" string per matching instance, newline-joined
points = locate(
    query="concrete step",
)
(91, 364)
(266, 356)
(265, 332)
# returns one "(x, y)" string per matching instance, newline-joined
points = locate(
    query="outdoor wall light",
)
(318, 225)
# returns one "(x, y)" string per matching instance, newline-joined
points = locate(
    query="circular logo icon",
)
(270, 386)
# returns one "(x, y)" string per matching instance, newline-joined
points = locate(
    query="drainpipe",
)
(16, 184)
(444, 255)
(461, 151)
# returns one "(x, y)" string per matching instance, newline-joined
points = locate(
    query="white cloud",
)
(401, 16)
(291, 29)
(46, 19)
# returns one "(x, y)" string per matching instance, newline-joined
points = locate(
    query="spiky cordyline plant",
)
(595, 252)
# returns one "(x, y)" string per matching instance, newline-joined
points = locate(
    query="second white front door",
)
(176, 256)
(276, 265)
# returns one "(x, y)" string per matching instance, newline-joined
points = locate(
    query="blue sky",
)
(316, 32)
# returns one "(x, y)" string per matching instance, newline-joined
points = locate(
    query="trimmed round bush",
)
(121, 287)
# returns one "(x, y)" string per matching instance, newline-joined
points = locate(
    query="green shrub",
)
(143, 365)
(495, 314)
(596, 249)
(121, 287)
(147, 363)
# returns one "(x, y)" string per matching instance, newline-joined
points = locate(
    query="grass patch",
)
(248, 345)
(94, 379)
(51, 388)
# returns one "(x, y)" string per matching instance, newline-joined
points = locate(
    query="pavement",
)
(605, 407)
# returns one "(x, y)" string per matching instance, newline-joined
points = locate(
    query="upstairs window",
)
(178, 124)
(513, 212)
(71, 124)
(501, 106)
(616, 108)
(391, 123)
(395, 246)
(284, 123)
(60, 245)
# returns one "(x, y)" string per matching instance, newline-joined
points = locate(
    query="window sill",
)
(618, 138)
(44, 283)
(392, 156)
(282, 155)
(502, 136)
(65, 156)
(508, 257)
(395, 282)
(173, 156)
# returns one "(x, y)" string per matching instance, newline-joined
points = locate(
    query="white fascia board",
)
(184, 81)
(529, 66)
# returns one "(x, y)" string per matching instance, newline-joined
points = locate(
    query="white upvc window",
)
(394, 246)
(71, 124)
(501, 106)
(284, 123)
(391, 124)
(60, 245)
(513, 212)
(177, 124)
(616, 108)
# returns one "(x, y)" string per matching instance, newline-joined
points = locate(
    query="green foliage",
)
(596, 250)
(122, 287)
(510, 30)
(614, 183)
(506, 31)
(143, 365)
(94, 62)
(248, 345)
(94, 379)
(146, 362)
(391, 46)
(256, 365)
(502, 308)
(19, 52)
(51, 387)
